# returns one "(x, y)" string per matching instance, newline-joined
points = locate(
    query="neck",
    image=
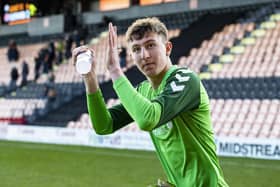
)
(156, 80)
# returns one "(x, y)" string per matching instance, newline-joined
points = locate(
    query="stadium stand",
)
(238, 56)
(244, 85)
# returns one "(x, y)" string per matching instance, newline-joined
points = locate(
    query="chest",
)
(150, 93)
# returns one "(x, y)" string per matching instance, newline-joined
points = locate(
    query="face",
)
(151, 54)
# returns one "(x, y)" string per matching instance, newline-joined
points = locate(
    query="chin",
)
(151, 74)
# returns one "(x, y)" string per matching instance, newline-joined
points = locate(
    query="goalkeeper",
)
(172, 105)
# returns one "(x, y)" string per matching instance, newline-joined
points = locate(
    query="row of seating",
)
(249, 118)
(244, 118)
(226, 88)
(256, 60)
(12, 109)
(209, 48)
(252, 88)
(245, 92)
(238, 51)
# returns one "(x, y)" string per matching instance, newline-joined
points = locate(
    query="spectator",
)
(13, 53)
(41, 63)
(24, 73)
(51, 79)
(37, 67)
(52, 56)
(68, 46)
(77, 37)
(45, 60)
(59, 49)
(50, 91)
(14, 77)
(83, 34)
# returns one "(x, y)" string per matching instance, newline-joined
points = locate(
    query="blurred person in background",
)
(172, 105)
(37, 67)
(52, 55)
(13, 52)
(50, 91)
(44, 57)
(24, 73)
(13, 79)
(59, 49)
(41, 63)
(68, 46)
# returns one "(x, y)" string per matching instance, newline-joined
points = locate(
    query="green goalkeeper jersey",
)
(176, 115)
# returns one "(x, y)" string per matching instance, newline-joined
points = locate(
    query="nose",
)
(144, 53)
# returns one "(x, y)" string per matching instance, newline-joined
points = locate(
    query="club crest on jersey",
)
(163, 129)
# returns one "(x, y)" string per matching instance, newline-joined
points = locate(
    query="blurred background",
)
(234, 46)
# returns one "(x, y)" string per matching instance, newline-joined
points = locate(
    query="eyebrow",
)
(150, 40)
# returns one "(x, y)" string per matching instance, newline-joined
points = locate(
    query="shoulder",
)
(183, 74)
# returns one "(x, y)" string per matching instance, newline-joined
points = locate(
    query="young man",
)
(172, 105)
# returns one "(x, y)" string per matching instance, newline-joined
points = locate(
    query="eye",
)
(136, 49)
(151, 45)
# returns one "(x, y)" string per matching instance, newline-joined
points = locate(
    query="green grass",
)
(43, 165)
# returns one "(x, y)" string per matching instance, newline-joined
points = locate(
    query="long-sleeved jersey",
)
(176, 115)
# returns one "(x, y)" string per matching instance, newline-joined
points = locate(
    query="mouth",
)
(148, 66)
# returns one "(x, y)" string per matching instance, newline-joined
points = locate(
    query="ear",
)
(168, 48)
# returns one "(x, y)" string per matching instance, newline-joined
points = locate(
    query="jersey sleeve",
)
(181, 93)
(144, 112)
(106, 121)
(120, 116)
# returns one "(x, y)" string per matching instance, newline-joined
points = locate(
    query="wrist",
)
(115, 73)
(89, 76)
(90, 82)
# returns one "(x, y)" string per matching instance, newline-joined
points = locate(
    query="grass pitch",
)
(44, 165)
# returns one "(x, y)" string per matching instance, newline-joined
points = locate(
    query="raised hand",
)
(83, 49)
(90, 79)
(113, 62)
